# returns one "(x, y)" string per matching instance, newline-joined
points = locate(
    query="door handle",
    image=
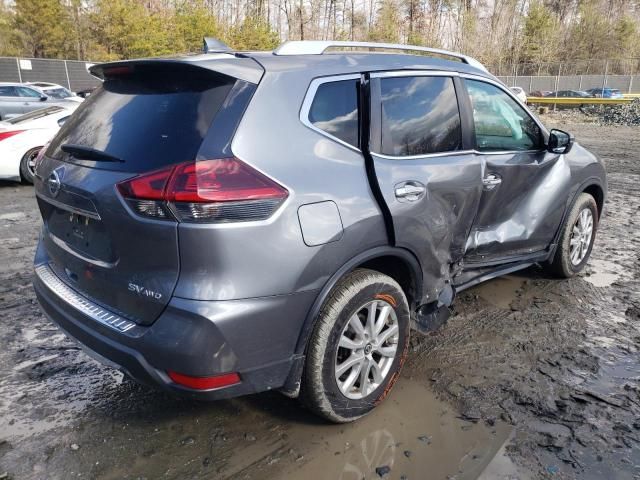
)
(410, 190)
(491, 181)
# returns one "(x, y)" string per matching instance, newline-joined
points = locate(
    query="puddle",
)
(502, 467)
(411, 433)
(501, 291)
(602, 273)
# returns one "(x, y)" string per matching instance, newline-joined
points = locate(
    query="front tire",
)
(357, 348)
(577, 238)
(27, 165)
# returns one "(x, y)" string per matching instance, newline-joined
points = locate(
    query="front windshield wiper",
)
(87, 153)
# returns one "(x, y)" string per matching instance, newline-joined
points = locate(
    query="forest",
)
(533, 35)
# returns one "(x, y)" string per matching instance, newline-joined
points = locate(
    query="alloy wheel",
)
(366, 350)
(581, 236)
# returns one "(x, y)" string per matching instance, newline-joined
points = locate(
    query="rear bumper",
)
(253, 337)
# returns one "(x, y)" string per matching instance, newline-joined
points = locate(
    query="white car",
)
(55, 91)
(21, 138)
(520, 93)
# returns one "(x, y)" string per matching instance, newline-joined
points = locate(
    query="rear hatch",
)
(145, 117)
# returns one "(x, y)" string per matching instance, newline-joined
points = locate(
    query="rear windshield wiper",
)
(87, 153)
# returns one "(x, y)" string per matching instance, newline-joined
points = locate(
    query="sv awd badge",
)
(144, 292)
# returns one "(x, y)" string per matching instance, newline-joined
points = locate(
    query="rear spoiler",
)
(243, 68)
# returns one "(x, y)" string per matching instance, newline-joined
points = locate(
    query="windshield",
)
(58, 92)
(43, 112)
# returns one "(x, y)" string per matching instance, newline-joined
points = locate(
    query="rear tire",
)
(344, 344)
(27, 165)
(577, 238)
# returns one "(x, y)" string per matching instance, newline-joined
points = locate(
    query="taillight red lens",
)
(5, 135)
(219, 190)
(204, 383)
(221, 180)
(150, 186)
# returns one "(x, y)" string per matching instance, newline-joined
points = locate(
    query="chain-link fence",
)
(550, 83)
(580, 75)
(623, 74)
(620, 66)
(72, 74)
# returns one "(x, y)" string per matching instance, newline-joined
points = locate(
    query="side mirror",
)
(560, 141)
(44, 98)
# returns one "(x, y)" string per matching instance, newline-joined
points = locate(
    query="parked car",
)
(605, 92)
(520, 94)
(570, 94)
(53, 90)
(539, 93)
(21, 139)
(19, 98)
(229, 224)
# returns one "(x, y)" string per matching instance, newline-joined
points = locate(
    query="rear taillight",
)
(221, 190)
(5, 135)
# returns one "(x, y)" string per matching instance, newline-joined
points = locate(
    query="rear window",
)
(335, 110)
(150, 118)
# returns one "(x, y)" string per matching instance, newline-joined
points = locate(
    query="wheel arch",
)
(398, 263)
(597, 192)
(594, 187)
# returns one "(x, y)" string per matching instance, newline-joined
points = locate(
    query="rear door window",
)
(334, 110)
(419, 116)
(148, 119)
(6, 91)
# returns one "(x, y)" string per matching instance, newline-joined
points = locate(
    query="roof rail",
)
(318, 47)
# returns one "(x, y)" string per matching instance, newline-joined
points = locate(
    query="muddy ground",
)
(531, 378)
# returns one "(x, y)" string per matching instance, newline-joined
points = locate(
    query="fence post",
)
(66, 71)
(604, 79)
(630, 83)
(557, 83)
(580, 83)
(19, 72)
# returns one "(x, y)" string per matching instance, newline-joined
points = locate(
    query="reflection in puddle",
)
(410, 434)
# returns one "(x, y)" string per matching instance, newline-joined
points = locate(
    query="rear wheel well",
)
(397, 269)
(596, 192)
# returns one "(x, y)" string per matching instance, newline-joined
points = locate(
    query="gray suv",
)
(230, 223)
(18, 98)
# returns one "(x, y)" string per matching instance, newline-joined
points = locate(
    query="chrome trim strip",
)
(452, 153)
(77, 301)
(67, 248)
(318, 47)
(68, 208)
(308, 100)
(415, 73)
